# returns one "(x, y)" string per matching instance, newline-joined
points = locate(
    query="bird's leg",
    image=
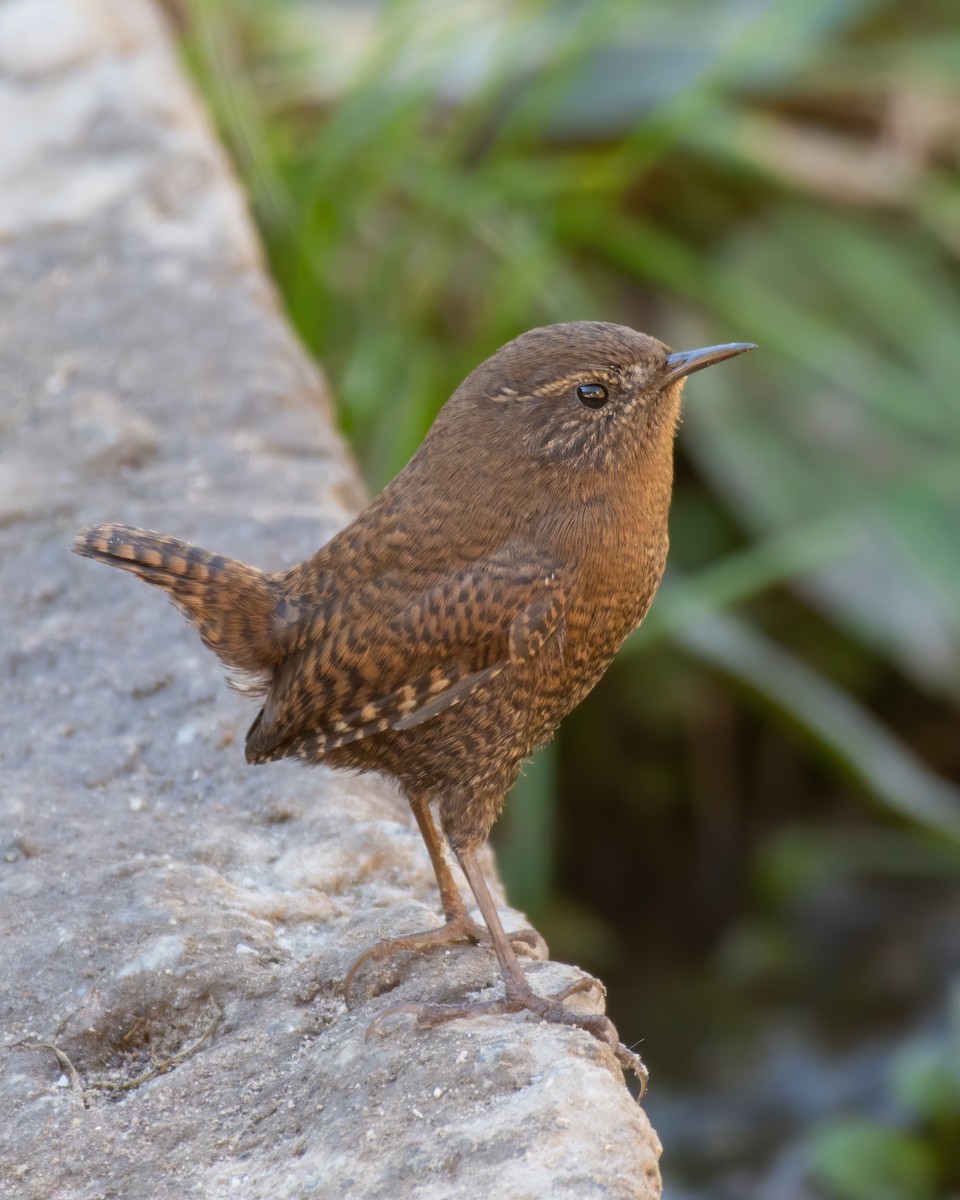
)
(460, 927)
(519, 995)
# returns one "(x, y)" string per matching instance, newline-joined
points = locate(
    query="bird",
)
(440, 637)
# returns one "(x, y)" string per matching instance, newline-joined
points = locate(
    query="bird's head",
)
(584, 396)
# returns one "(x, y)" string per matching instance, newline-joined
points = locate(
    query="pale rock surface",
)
(160, 902)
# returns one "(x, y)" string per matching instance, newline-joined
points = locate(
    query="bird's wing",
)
(378, 666)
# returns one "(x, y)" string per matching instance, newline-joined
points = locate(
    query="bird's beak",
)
(685, 362)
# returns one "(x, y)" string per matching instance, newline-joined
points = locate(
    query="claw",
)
(446, 935)
(531, 942)
(394, 1010)
(582, 985)
(633, 1062)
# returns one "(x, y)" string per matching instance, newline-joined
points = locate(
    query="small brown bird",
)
(442, 636)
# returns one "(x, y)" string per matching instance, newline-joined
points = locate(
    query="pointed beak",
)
(685, 362)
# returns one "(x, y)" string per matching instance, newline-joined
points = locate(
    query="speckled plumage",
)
(442, 636)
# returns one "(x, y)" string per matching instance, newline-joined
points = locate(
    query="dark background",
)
(751, 830)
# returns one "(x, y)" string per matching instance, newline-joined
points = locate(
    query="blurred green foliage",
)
(858, 1160)
(432, 179)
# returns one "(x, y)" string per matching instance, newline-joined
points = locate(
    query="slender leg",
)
(453, 907)
(510, 968)
(460, 927)
(519, 995)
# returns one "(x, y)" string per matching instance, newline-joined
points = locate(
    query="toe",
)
(529, 942)
(588, 984)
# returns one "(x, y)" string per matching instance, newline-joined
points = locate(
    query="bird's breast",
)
(609, 597)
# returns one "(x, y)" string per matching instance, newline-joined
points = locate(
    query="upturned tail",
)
(231, 605)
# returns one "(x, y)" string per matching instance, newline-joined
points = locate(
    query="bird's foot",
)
(524, 941)
(459, 931)
(520, 998)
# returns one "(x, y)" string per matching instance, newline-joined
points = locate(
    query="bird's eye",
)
(593, 395)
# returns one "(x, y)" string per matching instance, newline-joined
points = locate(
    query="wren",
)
(442, 636)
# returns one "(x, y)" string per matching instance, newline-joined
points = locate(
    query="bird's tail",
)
(231, 605)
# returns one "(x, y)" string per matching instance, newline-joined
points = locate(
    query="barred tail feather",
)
(231, 605)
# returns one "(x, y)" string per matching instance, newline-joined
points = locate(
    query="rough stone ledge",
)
(175, 924)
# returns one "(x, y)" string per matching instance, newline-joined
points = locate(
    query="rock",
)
(175, 924)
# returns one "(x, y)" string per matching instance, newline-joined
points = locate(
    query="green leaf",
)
(871, 754)
(926, 1078)
(859, 1161)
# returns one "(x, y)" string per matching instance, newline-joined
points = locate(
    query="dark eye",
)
(593, 395)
